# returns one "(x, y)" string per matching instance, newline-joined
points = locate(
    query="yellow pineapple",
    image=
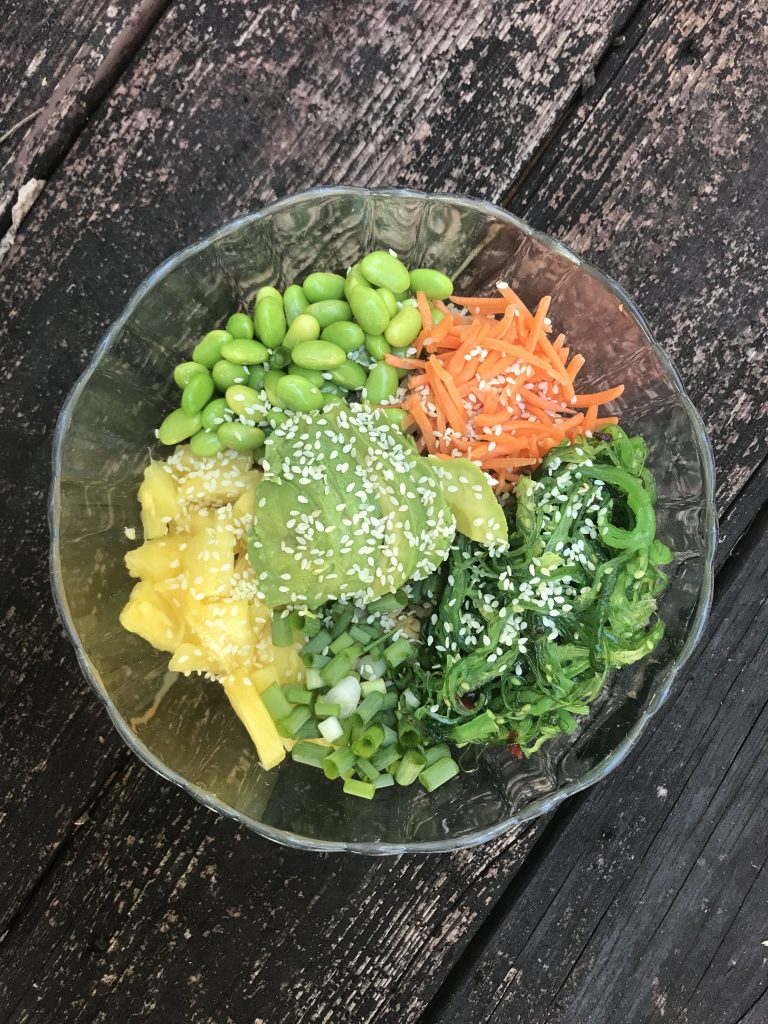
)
(158, 559)
(150, 615)
(159, 499)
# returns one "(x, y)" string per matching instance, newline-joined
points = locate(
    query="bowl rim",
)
(536, 808)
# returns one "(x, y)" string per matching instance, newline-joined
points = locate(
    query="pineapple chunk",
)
(152, 617)
(250, 709)
(159, 498)
(216, 480)
(158, 559)
(208, 558)
(191, 657)
(223, 629)
(245, 507)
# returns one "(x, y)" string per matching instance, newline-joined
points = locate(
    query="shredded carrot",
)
(491, 385)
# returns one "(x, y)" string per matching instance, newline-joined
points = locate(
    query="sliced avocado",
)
(478, 514)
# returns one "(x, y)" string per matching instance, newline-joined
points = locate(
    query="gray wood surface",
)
(122, 899)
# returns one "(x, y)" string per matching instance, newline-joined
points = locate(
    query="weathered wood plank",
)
(55, 67)
(254, 113)
(651, 903)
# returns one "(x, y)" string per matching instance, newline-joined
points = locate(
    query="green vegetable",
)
(271, 379)
(349, 375)
(184, 373)
(242, 350)
(269, 318)
(267, 292)
(329, 311)
(385, 270)
(319, 287)
(366, 790)
(240, 325)
(377, 346)
(197, 394)
(205, 443)
(389, 300)
(178, 426)
(479, 516)
(282, 634)
(294, 302)
(434, 284)
(225, 374)
(369, 309)
(275, 702)
(318, 355)
(216, 413)
(246, 402)
(404, 328)
(209, 349)
(345, 334)
(382, 383)
(304, 328)
(312, 754)
(299, 394)
(437, 774)
(240, 437)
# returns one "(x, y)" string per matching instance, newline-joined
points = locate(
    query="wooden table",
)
(635, 130)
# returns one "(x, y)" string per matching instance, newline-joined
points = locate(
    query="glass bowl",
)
(184, 727)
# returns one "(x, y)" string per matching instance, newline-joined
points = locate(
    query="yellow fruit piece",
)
(159, 498)
(208, 558)
(152, 617)
(250, 709)
(217, 481)
(245, 507)
(223, 629)
(192, 657)
(158, 559)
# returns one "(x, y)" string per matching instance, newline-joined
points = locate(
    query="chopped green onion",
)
(340, 762)
(364, 634)
(353, 787)
(324, 709)
(369, 742)
(311, 627)
(410, 698)
(296, 621)
(398, 652)
(365, 768)
(384, 780)
(390, 701)
(388, 603)
(336, 669)
(342, 620)
(297, 694)
(408, 734)
(309, 731)
(409, 768)
(368, 707)
(384, 757)
(309, 753)
(387, 717)
(318, 643)
(282, 634)
(342, 641)
(478, 728)
(436, 774)
(330, 729)
(354, 651)
(313, 680)
(437, 753)
(390, 736)
(291, 724)
(274, 701)
(373, 686)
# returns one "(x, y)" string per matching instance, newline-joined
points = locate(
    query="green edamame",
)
(434, 284)
(205, 443)
(382, 383)
(208, 351)
(184, 373)
(216, 413)
(318, 355)
(395, 416)
(269, 318)
(349, 375)
(369, 309)
(437, 316)
(197, 394)
(241, 350)
(389, 299)
(345, 334)
(385, 270)
(377, 346)
(240, 437)
(240, 325)
(267, 292)
(247, 403)
(225, 374)
(294, 302)
(304, 328)
(256, 377)
(332, 399)
(276, 418)
(178, 426)
(279, 358)
(318, 287)
(315, 376)
(270, 386)
(299, 394)
(404, 328)
(329, 311)
(353, 280)
(402, 296)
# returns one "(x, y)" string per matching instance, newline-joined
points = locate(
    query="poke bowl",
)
(360, 689)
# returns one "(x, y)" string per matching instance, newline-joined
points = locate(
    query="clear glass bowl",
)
(102, 445)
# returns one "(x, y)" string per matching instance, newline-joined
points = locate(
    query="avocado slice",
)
(478, 514)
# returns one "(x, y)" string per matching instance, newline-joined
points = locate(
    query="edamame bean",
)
(258, 453)
(404, 328)
(184, 373)
(369, 309)
(269, 318)
(240, 325)
(345, 334)
(197, 394)
(208, 351)
(434, 284)
(256, 377)
(304, 328)
(402, 296)
(318, 287)
(216, 413)
(315, 376)
(241, 350)
(299, 394)
(270, 386)
(329, 311)
(267, 292)
(332, 399)
(178, 426)
(240, 437)
(205, 443)
(246, 402)
(318, 355)
(279, 358)
(376, 345)
(225, 374)
(349, 375)
(275, 418)
(354, 279)
(382, 383)
(437, 316)
(389, 298)
(396, 416)
(294, 302)
(385, 270)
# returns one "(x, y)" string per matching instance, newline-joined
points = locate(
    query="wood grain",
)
(55, 67)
